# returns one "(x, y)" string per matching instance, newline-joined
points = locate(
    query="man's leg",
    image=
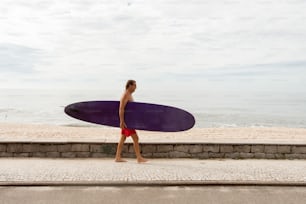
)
(119, 149)
(137, 149)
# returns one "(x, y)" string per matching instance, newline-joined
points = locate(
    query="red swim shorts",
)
(128, 132)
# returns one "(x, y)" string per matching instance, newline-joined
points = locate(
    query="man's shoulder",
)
(125, 96)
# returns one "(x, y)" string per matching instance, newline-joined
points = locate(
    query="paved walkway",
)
(35, 171)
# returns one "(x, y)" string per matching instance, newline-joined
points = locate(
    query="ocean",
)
(210, 108)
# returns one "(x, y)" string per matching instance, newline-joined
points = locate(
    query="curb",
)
(155, 183)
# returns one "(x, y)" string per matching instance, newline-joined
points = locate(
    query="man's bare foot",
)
(120, 160)
(141, 160)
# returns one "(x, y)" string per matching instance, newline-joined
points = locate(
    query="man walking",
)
(125, 131)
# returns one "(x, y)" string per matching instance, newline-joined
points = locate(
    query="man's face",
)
(134, 87)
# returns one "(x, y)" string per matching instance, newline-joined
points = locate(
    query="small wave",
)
(80, 125)
(4, 110)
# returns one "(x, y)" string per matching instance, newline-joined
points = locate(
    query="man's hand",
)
(122, 125)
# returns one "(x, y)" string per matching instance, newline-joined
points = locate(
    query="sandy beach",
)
(11, 132)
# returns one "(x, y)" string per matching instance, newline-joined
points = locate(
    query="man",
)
(125, 131)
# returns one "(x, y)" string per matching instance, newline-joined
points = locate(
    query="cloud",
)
(88, 43)
(277, 69)
(17, 59)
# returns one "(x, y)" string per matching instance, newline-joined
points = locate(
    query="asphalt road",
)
(156, 195)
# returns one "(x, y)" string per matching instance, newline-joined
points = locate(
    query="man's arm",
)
(122, 105)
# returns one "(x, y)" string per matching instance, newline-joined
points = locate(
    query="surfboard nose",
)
(70, 109)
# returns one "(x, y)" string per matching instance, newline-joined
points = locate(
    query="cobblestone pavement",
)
(37, 171)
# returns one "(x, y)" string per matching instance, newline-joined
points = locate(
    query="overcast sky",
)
(169, 44)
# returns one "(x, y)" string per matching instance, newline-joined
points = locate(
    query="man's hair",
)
(129, 83)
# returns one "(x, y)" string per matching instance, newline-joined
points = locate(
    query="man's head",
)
(130, 85)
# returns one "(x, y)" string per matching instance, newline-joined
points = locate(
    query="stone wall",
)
(200, 151)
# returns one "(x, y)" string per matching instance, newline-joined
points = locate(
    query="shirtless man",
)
(125, 132)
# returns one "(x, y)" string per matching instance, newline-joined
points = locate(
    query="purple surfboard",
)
(140, 116)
